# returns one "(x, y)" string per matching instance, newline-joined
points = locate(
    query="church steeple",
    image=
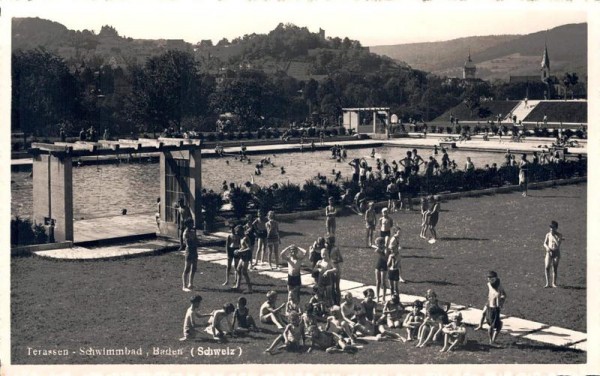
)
(469, 68)
(545, 64)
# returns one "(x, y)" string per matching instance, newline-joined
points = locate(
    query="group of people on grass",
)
(332, 328)
(330, 320)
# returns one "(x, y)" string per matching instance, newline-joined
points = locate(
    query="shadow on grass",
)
(476, 346)
(572, 287)
(541, 346)
(463, 238)
(549, 196)
(289, 233)
(422, 257)
(436, 283)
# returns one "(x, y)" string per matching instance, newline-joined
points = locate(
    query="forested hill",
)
(290, 49)
(498, 56)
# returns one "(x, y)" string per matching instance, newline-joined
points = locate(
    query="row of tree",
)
(173, 90)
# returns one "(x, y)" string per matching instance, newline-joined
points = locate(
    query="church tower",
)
(545, 65)
(469, 69)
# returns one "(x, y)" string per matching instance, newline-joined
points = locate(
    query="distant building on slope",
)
(469, 69)
(555, 87)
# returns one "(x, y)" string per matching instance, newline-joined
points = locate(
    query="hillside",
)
(436, 56)
(499, 56)
(77, 46)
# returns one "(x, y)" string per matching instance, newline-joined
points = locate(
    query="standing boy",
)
(552, 245)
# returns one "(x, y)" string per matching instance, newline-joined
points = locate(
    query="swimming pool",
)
(104, 190)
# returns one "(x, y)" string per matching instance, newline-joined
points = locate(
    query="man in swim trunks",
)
(294, 256)
(491, 310)
(552, 244)
(183, 214)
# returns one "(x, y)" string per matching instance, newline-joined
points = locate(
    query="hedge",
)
(25, 232)
(313, 194)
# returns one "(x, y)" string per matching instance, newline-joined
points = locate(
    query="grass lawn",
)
(138, 303)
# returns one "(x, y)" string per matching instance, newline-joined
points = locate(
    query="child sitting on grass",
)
(455, 333)
(242, 321)
(349, 310)
(190, 322)
(338, 325)
(215, 323)
(435, 319)
(292, 305)
(367, 315)
(317, 302)
(392, 316)
(328, 341)
(293, 337)
(414, 320)
(269, 314)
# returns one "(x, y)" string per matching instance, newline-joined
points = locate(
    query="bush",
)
(334, 132)
(264, 199)
(449, 130)
(288, 196)
(294, 133)
(312, 132)
(268, 134)
(211, 137)
(276, 133)
(230, 136)
(220, 136)
(239, 201)
(39, 234)
(260, 134)
(211, 205)
(568, 132)
(24, 232)
(249, 135)
(313, 195)
(327, 132)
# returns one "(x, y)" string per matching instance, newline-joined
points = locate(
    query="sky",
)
(370, 22)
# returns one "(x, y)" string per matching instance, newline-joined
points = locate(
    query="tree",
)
(167, 89)
(44, 92)
(570, 80)
(241, 95)
(223, 42)
(206, 43)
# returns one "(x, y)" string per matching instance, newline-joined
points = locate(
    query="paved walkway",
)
(104, 228)
(529, 145)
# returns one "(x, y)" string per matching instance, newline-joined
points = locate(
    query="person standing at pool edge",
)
(330, 213)
(183, 214)
(434, 214)
(523, 166)
(273, 239)
(191, 256)
(552, 245)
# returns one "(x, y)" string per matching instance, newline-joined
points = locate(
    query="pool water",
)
(105, 190)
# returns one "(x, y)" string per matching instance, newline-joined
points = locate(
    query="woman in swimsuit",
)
(231, 245)
(260, 229)
(330, 213)
(273, 239)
